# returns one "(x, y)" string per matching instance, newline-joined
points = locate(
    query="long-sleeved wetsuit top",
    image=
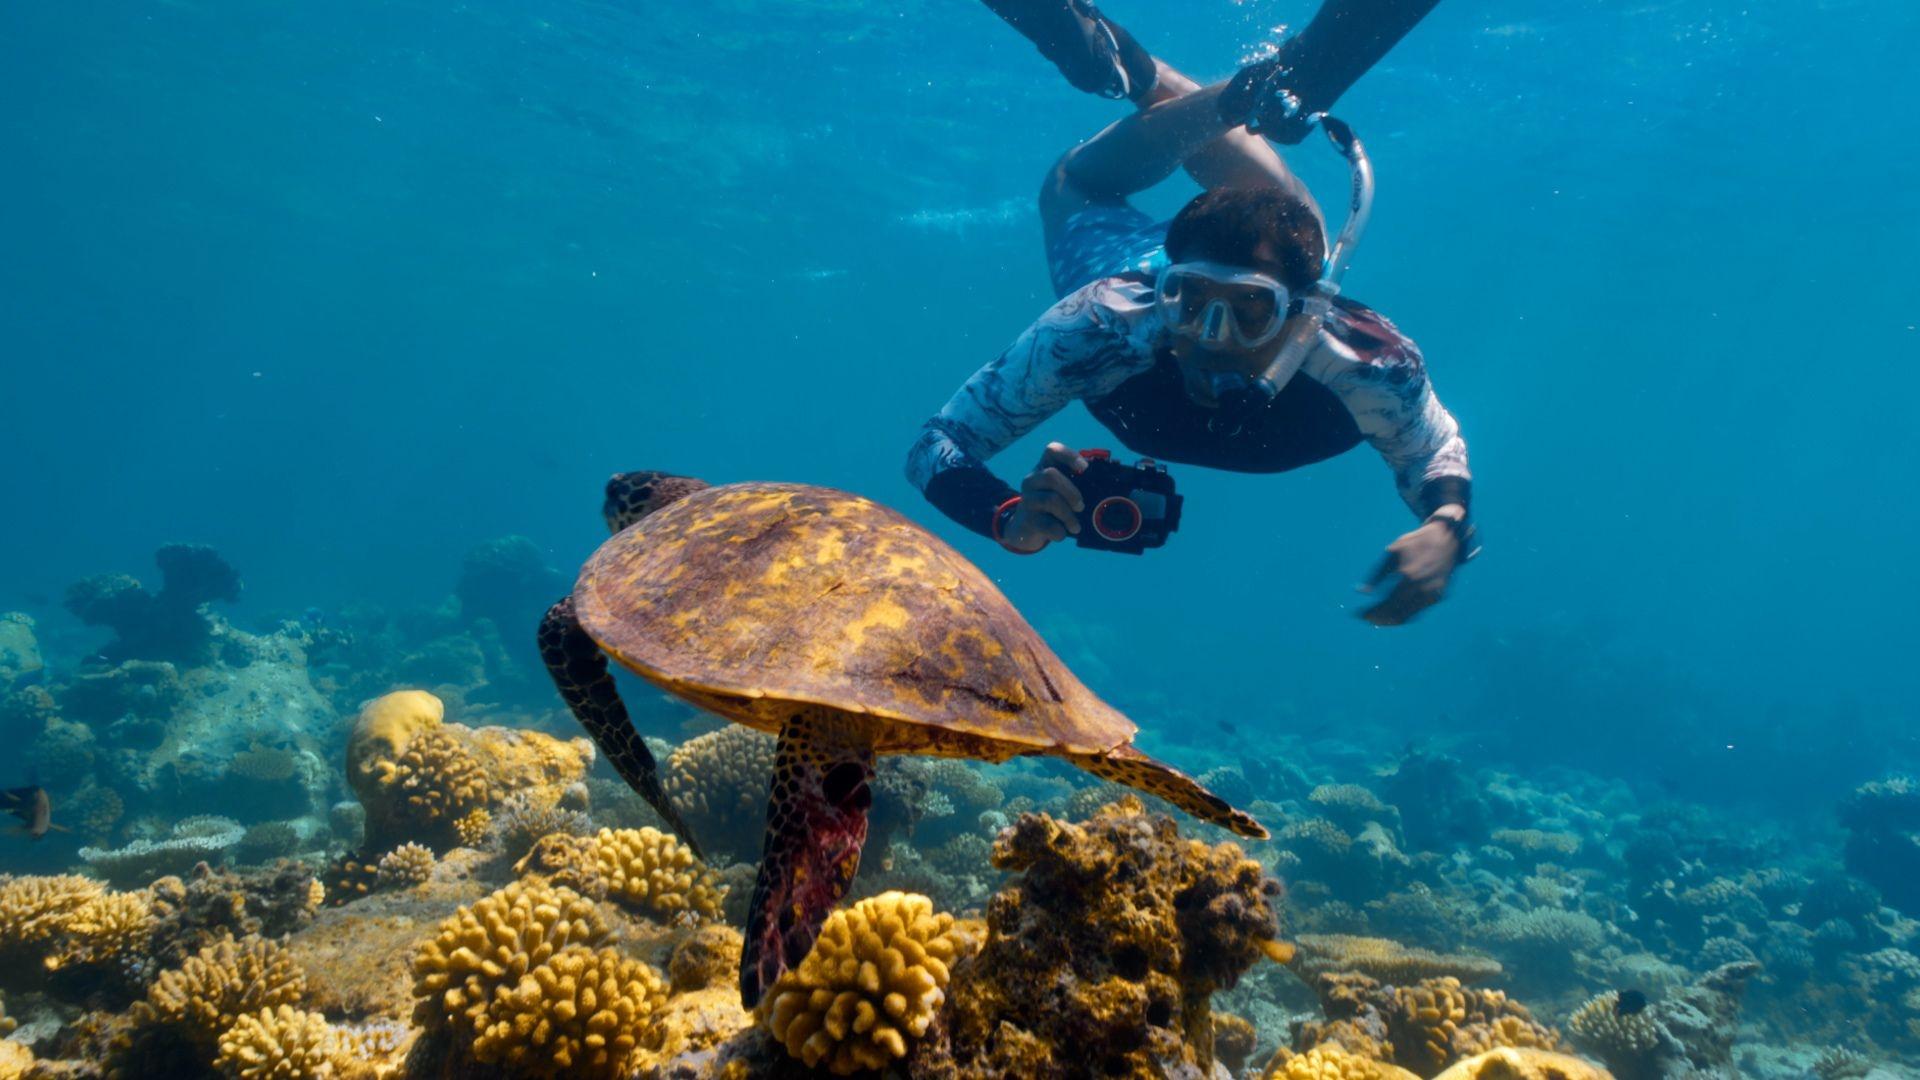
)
(1105, 345)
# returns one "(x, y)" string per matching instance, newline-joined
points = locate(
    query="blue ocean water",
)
(345, 289)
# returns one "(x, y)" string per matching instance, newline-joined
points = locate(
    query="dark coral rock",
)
(1441, 807)
(509, 582)
(1883, 838)
(1103, 954)
(169, 624)
(212, 904)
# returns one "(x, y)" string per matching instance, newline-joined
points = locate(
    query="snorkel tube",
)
(1304, 329)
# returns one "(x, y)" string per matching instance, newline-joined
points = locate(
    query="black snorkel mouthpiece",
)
(1240, 404)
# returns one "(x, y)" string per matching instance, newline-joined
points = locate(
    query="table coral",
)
(1523, 1064)
(874, 981)
(1109, 943)
(645, 870)
(1386, 960)
(286, 1043)
(203, 838)
(522, 977)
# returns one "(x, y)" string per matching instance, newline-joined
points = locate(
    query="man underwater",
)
(1161, 327)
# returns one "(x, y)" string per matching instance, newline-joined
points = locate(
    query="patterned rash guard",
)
(1104, 345)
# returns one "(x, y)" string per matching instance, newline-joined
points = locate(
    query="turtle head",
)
(633, 495)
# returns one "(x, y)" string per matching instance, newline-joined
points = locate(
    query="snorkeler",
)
(1217, 339)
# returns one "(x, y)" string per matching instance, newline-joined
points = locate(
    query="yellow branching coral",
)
(1388, 961)
(15, 1060)
(873, 982)
(66, 920)
(523, 975)
(208, 994)
(582, 1013)
(408, 864)
(1523, 1064)
(286, 1043)
(473, 826)
(643, 869)
(1331, 1063)
(438, 779)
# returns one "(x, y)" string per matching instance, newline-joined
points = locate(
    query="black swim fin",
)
(1095, 53)
(1280, 96)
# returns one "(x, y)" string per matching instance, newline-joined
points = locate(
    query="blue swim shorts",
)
(1103, 240)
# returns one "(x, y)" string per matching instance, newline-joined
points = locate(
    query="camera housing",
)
(1128, 508)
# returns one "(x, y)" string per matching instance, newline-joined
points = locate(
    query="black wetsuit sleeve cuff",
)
(969, 495)
(1443, 490)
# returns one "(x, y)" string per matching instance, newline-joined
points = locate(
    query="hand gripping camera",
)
(1128, 508)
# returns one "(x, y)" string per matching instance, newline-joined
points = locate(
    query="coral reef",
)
(1882, 819)
(177, 1029)
(167, 625)
(1688, 1034)
(1110, 940)
(420, 778)
(645, 870)
(874, 981)
(208, 905)
(1424, 1026)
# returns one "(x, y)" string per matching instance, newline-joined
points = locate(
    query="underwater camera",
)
(1127, 508)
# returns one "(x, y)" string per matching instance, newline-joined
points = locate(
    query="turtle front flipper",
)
(1125, 765)
(816, 824)
(579, 671)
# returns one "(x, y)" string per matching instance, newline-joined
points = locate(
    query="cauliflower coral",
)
(526, 977)
(874, 981)
(286, 1043)
(643, 869)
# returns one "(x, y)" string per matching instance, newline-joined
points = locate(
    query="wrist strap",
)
(1000, 514)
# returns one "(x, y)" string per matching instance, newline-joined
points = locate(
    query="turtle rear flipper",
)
(579, 671)
(816, 824)
(1125, 765)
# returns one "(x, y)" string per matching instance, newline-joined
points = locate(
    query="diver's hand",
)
(1424, 559)
(1049, 502)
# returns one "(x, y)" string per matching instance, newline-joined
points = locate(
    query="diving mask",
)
(1220, 305)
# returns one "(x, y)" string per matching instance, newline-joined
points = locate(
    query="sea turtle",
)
(847, 631)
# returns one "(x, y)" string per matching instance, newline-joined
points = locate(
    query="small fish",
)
(1227, 726)
(31, 806)
(1629, 1002)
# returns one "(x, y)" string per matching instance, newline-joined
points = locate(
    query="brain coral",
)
(1110, 942)
(523, 976)
(286, 1043)
(643, 869)
(718, 782)
(875, 979)
(1523, 1064)
(1331, 1063)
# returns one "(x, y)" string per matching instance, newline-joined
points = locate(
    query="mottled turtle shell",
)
(750, 599)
